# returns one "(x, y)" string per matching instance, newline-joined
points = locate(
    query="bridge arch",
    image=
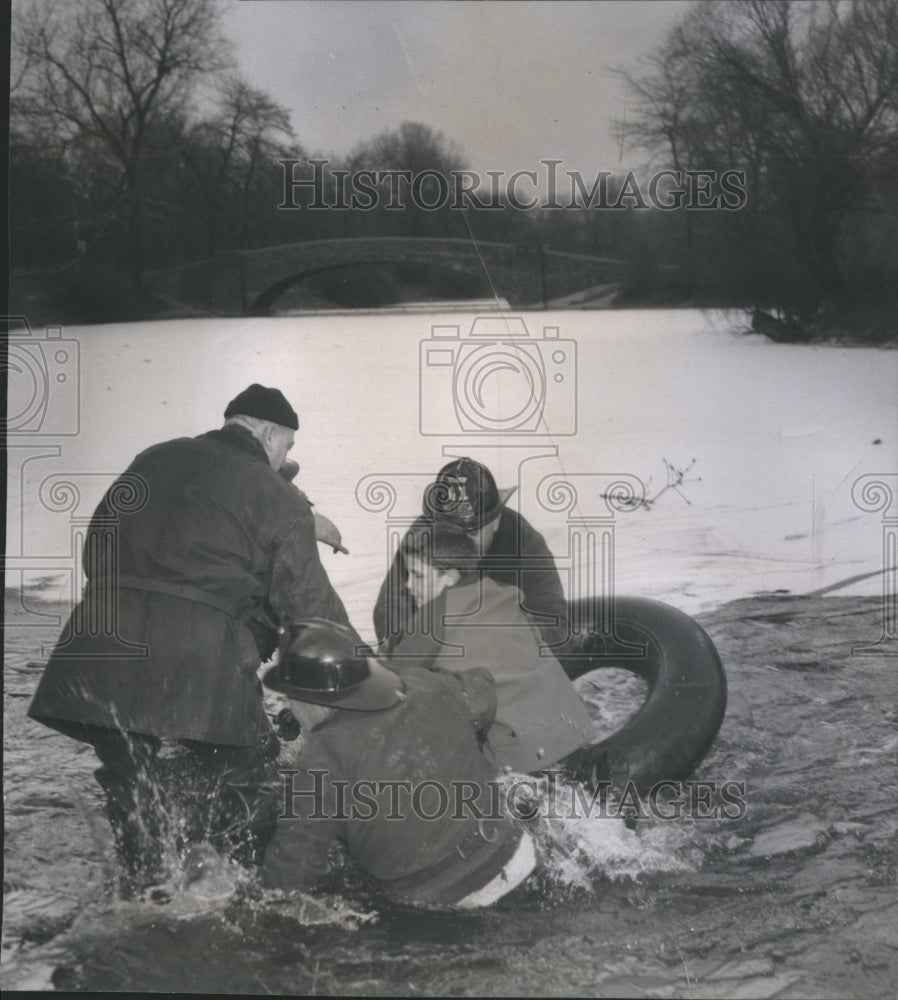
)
(250, 281)
(263, 303)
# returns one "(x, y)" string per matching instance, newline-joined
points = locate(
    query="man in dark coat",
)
(393, 770)
(512, 551)
(193, 558)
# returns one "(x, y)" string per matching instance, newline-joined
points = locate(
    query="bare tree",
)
(803, 97)
(97, 73)
(225, 153)
(417, 151)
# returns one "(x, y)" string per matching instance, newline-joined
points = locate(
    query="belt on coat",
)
(185, 591)
(470, 846)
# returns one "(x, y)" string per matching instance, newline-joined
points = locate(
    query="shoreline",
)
(859, 326)
(733, 609)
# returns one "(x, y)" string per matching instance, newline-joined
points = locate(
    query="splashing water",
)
(582, 836)
(314, 911)
(794, 897)
(611, 696)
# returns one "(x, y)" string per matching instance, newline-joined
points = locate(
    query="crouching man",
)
(184, 587)
(394, 770)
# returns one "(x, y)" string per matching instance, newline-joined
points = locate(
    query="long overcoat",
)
(183, 550)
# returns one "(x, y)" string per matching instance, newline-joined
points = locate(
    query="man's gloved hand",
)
(271, 746)
(288, 726)
(266, 635)
(479, 691)
(289, 469)
(326, 531)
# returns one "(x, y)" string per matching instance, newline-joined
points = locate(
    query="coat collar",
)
(240, 439)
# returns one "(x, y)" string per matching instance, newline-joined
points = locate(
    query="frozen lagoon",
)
(797, 898)
(777, 439)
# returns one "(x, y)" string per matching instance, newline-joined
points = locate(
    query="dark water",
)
(796, 897)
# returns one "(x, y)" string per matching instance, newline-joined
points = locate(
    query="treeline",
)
(803, 99)
(135, 144)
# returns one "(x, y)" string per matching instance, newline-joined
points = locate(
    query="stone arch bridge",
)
(249, 282)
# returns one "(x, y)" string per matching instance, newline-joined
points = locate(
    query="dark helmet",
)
(465, 493)
(324, 663)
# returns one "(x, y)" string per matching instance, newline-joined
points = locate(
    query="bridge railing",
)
(525, 274)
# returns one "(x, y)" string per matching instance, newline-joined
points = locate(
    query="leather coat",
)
(407, 791)
(199, 535)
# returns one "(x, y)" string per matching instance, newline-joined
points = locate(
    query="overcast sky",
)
(510, 83)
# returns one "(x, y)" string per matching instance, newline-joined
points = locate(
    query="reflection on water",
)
(794, 898)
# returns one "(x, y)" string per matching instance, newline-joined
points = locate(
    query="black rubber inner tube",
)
(686, 701)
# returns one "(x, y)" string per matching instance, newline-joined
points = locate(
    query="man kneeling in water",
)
(464, 620)
(394, 770)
